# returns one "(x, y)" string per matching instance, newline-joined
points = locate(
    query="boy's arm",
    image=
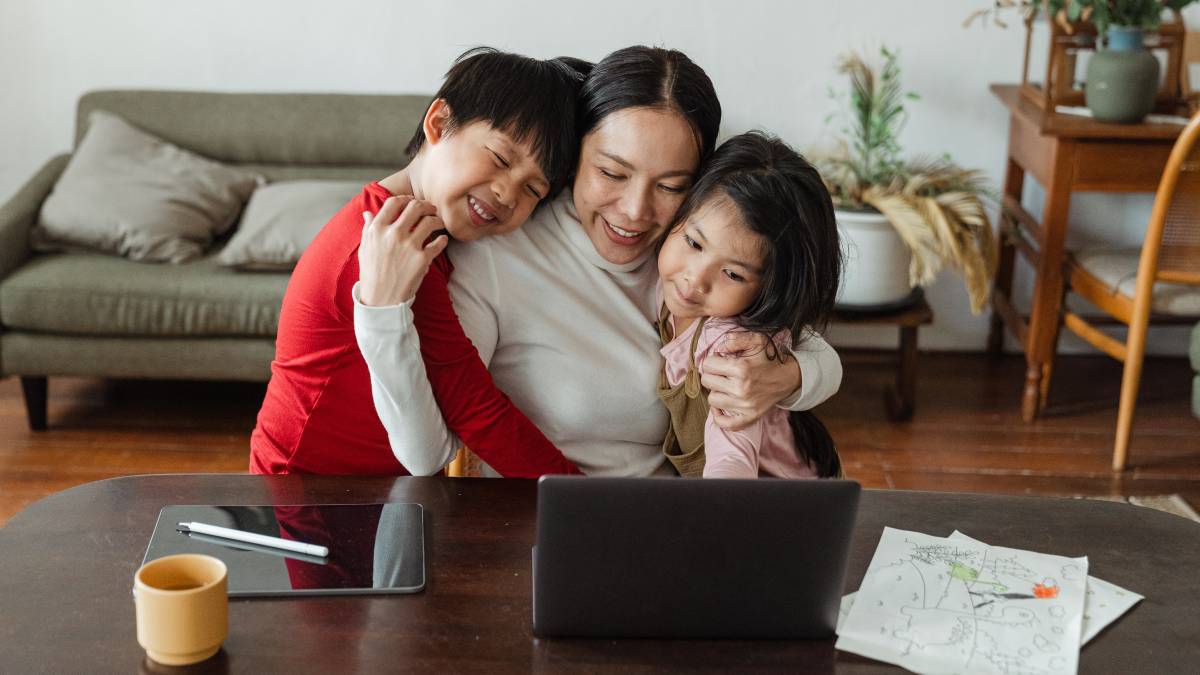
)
(482, 416)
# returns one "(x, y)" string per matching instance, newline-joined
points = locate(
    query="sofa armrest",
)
(19, 214)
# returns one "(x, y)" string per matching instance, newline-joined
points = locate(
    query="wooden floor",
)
(967, 434)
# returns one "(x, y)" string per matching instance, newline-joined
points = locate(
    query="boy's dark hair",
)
(531, 100)
(781, 197)
(650, 77)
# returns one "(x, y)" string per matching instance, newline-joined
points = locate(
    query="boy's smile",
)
(479, 178)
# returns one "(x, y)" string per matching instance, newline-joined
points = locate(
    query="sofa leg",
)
(34, 389)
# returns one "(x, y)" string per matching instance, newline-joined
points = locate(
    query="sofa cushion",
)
(131, 193)
(94, 294)
(281, 220)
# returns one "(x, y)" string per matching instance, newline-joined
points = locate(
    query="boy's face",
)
(481, 180)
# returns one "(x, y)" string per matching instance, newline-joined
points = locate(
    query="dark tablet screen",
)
(373, 548)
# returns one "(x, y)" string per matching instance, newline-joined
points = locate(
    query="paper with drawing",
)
(1104, 603)
(936, 605)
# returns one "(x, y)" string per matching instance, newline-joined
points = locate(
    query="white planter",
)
(876, 262)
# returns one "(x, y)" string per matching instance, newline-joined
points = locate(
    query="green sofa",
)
(89, 314)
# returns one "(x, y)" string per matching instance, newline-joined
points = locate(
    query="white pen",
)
(252, 538)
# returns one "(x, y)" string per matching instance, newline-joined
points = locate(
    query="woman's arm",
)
(744, 384)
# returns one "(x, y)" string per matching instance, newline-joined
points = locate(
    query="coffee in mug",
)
(182, 608)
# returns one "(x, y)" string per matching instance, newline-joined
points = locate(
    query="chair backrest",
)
(1171, 250)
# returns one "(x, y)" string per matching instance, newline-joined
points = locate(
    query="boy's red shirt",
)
(318, 416)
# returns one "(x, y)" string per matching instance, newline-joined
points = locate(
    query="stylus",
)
(265, 550)
(252, 538)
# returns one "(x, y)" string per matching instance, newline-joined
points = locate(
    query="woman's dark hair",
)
(529, 99)
(781, 197)
(650, 77)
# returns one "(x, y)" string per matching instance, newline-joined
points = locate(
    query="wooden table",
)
(1065, 153)
(67, 564)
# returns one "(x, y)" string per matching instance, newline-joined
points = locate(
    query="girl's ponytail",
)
(815, 444)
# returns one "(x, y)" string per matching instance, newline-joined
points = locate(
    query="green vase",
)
(1122, 79)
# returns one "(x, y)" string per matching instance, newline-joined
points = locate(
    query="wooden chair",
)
(464, 465)
(1162, 278)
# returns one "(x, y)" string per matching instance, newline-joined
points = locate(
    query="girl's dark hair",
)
(815, 444)
(529, 99)
(650, 77)
(781, 197)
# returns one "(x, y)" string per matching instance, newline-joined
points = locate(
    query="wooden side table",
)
(1064, 153)
(899, 399)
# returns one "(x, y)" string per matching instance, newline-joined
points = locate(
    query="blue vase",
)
(1122, 79)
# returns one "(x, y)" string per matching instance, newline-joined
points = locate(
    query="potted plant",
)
(1122, 79)
(901, 221)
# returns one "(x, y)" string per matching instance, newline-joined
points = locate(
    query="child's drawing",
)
(936, 605)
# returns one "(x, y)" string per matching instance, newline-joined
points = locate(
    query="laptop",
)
(675, 558)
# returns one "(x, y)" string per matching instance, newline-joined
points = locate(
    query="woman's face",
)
(634, 169)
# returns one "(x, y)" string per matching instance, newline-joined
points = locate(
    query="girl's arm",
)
(731, 454)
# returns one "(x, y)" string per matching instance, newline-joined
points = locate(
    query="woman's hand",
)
(393, 256)
(743, 383)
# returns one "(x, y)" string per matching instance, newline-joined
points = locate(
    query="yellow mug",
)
(182, 608)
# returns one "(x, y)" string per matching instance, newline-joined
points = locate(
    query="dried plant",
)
(935, 206)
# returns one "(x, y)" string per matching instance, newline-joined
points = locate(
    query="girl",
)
(754, 247)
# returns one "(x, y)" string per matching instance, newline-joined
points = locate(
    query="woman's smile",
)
(620, 235)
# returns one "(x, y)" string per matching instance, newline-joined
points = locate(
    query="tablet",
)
(373, 548)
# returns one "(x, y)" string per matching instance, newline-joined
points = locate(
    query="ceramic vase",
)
(1122, 79)
(875, 275)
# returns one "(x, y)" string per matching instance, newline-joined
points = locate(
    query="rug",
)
(1173, 504)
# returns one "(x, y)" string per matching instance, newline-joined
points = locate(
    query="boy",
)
(498, 138)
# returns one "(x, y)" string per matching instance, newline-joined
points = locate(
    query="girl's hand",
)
(393, 256)
(743, 383)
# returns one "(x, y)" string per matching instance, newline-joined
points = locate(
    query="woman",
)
(562, 310)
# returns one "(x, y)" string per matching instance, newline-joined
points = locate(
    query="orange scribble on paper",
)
(1043, 591)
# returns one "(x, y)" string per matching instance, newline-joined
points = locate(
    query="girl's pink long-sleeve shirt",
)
(765, 448)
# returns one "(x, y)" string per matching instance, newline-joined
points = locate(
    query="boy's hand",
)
(393, 257)
(743, 383)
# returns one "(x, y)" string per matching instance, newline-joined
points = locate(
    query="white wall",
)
(772, 63)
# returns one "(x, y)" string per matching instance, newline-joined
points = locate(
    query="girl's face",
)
(711, 264)
(634, 169)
